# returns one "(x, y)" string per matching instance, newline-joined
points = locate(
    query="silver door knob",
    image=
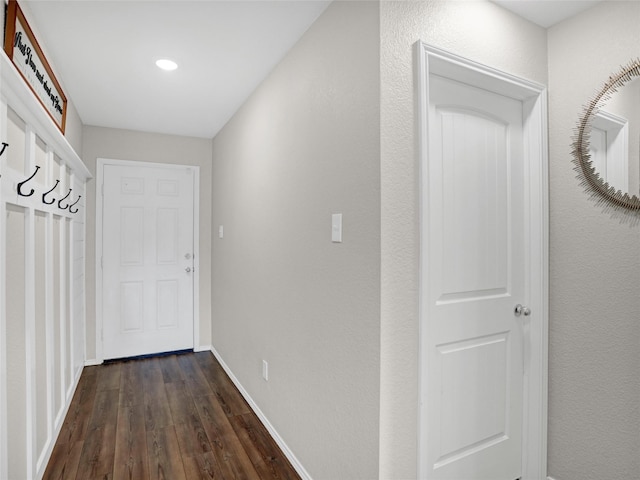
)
(188, 269)
(520, 310)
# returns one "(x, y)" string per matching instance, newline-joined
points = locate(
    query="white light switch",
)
(221, 231)
(336, 227)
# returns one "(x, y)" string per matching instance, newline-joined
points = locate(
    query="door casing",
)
(101, 162)
(616, 150)
(432, 60)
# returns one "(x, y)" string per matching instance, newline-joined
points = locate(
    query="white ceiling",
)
(104, 52)
(546, 12)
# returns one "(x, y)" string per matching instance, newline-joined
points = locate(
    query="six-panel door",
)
(147, 260)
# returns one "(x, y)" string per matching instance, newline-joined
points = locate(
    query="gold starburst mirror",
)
(606, 148)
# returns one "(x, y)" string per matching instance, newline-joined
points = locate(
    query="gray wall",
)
(594, 349)
(304, 146)
(73, 122)
(73, 128)
(482, 32)
(333, 130)
(118, 144)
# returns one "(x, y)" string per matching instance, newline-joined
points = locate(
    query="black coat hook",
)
(76, 210)
(19, 187)
(47, 193)
(4, 145)
(59, 201)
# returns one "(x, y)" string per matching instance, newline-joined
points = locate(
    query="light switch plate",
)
(336, 228)
(221, 231)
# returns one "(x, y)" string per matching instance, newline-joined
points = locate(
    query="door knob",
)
(188, 269)
(520, 310)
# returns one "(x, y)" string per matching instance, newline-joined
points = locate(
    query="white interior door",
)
(476, 276)
(147, 263)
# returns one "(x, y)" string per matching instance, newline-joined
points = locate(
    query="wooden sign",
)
(22, 48)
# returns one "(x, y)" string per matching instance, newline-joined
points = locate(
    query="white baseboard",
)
(550, 478)
(261, 416)
(203, 348)
(91, 362)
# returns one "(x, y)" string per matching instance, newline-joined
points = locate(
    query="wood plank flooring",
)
(173, 417)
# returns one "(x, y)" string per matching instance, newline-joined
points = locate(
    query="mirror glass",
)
(607, 142)
(614, 142)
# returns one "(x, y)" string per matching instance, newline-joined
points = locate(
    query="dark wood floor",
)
(174, 417)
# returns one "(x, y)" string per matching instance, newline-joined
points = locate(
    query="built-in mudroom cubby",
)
(42, 284)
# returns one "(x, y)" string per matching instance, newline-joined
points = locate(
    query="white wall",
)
(304, 146)
(594, 348)
(73, 122)
(118, 144)
(482, 32)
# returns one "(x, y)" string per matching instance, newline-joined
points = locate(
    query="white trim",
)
(93, 362)
(550, 478)
(16, 95)
(433, 60)
(46, 452)
(4, 461)
(49, 315)
(66, 306)
(100, 164)
(98, 271)
(63, 294)
(265, 421)
(29, 108)
(536, 377)
(83, 313)
(196, 257)
(203, 348)
(617, 148)
(29, 313)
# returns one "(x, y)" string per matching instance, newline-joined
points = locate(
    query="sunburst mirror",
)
(606, 147)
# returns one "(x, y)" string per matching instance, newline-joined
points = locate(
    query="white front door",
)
(147, 262)
(475, 278)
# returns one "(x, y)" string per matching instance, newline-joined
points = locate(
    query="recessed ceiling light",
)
(166, 64)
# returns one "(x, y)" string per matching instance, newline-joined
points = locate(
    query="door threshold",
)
(148, 355)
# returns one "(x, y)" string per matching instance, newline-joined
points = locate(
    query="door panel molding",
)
(433, 61)
(100, 164)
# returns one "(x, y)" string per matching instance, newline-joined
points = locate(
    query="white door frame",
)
(101, 162)
(617, 148)
(431, 60)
